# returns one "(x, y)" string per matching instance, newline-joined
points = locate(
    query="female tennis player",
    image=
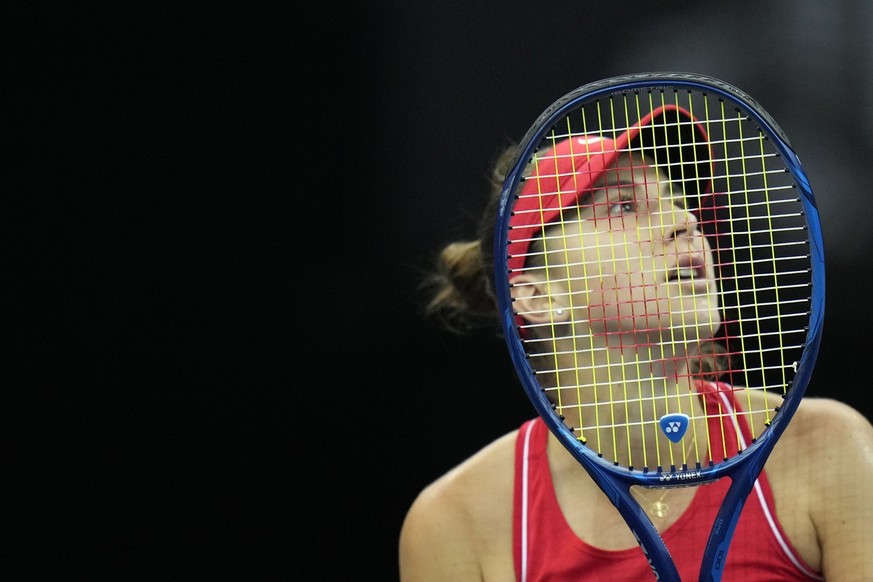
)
(523, 508)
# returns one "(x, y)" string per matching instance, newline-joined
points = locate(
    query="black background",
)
(218, 219)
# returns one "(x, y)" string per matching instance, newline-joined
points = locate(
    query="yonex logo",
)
(674, 426)
(683, 476)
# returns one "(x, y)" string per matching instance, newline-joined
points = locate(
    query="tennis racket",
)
(656, 233)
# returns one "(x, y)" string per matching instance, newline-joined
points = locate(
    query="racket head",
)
(749, 195)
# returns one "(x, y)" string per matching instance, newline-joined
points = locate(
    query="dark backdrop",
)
(224, 215)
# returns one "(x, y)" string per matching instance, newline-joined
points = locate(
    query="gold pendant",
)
(659, 509)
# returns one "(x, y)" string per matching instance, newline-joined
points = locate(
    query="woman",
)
(523, 508)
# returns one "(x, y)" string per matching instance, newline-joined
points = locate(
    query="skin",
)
(460, 526)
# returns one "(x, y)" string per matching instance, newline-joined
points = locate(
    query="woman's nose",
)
(679, 222)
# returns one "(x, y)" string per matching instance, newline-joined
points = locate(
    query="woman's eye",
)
(623, 207)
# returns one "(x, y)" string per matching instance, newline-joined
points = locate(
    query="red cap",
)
(562, 175)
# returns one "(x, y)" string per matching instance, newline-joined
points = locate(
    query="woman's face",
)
(635, 261)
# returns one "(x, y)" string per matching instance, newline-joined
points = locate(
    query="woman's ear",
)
(531, 299)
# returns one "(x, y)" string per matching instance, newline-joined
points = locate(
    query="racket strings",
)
(568, 295)
(800, 271)
(560, 178)
(778, 350)
(764, 229)
(759, 250)
(722, 414)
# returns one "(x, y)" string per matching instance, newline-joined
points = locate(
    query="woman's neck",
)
(620, 418)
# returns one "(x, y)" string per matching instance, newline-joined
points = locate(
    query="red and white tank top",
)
(546, 548)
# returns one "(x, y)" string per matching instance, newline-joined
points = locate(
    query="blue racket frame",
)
(615, 481)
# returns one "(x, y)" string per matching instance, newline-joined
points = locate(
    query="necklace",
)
(658, 508)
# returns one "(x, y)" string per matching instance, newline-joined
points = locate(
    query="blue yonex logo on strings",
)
(674, 426)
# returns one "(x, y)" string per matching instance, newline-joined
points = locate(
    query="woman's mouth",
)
(688, 268)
